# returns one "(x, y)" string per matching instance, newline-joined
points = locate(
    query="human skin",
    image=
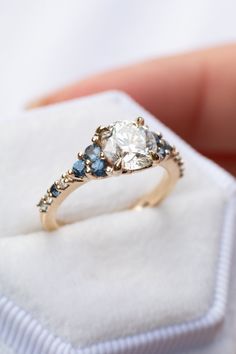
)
(194, 94)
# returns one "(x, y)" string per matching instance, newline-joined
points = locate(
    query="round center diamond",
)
(130, 143)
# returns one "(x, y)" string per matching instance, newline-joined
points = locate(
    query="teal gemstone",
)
(156, 138)
(98, 168)
(54, 191)
(92, 152)
(79, 168)
(161, 149)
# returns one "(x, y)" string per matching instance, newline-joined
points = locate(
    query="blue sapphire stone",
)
(158, 140)
(161, 152)
(168, 146)
(79, 168)
(162, 146)
(92, 152)
(54, 191)
(98, 168)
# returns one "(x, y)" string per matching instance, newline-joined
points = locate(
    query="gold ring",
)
(120, 148)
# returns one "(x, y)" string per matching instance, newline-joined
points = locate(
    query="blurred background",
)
(47, 44)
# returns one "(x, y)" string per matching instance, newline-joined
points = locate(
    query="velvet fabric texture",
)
(109, 273)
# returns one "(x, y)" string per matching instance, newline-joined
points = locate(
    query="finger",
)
(195, 94)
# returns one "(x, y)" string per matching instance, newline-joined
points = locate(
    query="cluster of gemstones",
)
(163, 147)
(91, 161)
(128, 142)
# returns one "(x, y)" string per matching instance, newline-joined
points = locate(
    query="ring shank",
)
(150, 199)
(163, 188)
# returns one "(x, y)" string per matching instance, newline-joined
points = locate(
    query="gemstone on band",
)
(98, 168)
(92, 152)
(79, 168)
(54, 191)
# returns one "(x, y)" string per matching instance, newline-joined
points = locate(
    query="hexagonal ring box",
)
(149, 281)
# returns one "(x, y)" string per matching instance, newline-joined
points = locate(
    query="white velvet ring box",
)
(150, 281)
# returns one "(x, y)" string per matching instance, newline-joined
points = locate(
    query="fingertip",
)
(37, 103)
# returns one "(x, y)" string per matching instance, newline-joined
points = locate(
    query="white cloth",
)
(111, 275)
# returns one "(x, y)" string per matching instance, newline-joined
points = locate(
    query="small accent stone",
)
(79, 168)
(157, 138)
(161, 152)
(54, 191)
(48, 199)
(162, 146)
(92, 152)
(98, 168)
(43, 207)
(62, 184)
(168, 146)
